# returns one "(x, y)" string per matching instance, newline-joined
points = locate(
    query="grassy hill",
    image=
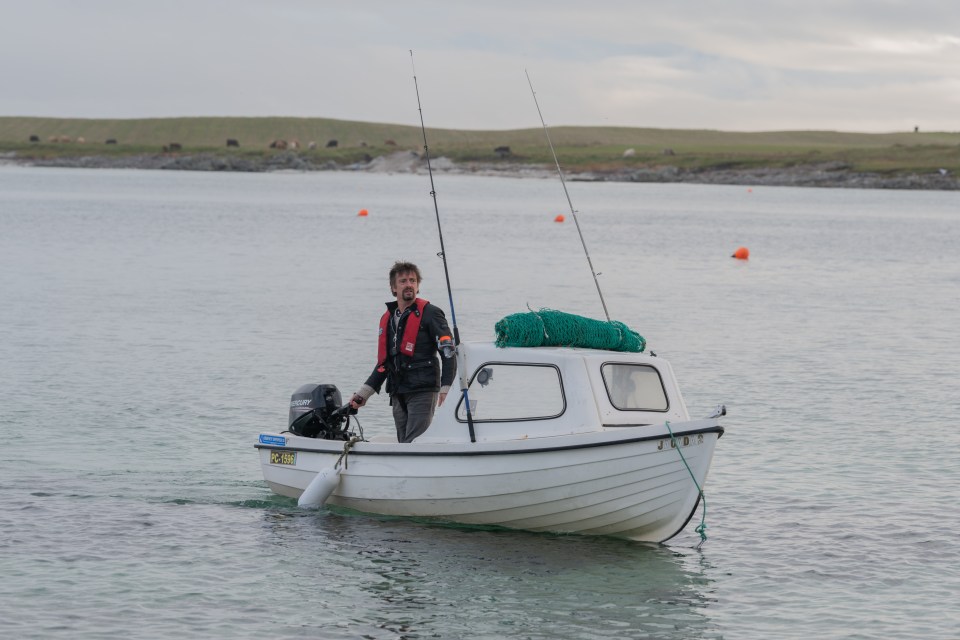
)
(579, 148)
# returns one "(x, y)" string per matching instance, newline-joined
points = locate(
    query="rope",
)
(346, 449)
(702, 528)
(543, 327)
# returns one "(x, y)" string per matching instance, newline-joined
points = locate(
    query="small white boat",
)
(567, 440)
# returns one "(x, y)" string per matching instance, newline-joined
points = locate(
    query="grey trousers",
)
(412, 413)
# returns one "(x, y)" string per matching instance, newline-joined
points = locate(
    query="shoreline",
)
(826, 175)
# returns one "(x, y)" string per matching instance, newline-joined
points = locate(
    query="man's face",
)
(406, 286)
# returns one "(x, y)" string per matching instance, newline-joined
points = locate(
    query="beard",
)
(408, 294)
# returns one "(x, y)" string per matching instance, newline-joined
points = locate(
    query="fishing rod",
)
(461, 363)
(567, 193)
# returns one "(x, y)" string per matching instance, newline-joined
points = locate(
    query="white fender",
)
(320, 488)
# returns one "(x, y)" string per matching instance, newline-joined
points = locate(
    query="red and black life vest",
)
(410, 329)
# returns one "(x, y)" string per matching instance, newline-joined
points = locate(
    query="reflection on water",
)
(422, 580)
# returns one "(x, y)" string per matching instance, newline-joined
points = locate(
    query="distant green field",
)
(579, 148)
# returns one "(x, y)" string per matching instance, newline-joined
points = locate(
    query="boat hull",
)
(623, 482)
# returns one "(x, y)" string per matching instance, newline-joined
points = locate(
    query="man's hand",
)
(357, 401)
(441, 397)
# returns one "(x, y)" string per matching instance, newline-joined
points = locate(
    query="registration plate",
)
(283, 457)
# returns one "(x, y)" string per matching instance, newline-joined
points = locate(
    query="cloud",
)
(747, 64)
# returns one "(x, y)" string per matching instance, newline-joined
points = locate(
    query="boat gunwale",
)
(466, 450)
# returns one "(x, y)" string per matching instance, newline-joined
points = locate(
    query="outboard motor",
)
(316, 412)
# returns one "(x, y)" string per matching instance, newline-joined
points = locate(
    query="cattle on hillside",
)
(232, 142)
(331, 144)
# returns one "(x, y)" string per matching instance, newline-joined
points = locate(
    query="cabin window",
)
(506, 392)
(634, 387)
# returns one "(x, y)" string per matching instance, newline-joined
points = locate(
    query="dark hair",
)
(403, 267)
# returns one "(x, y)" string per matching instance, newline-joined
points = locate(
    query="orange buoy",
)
(749, 190)
(362, 212)
(559, 218)
(742, 253)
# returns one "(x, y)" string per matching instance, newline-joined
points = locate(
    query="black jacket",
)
(422, 371)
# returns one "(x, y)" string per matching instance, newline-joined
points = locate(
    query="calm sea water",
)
(152, 323)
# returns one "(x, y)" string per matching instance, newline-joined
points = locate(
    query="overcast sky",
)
(747, 65)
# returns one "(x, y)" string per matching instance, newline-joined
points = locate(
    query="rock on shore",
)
(835, 175)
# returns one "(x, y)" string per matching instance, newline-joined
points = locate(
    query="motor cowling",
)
(315, 412)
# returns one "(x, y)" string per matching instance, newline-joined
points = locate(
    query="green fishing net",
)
(550, 328)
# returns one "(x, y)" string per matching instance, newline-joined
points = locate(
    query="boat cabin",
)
(517, 393)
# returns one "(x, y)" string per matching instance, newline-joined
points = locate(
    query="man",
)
(412, 332)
